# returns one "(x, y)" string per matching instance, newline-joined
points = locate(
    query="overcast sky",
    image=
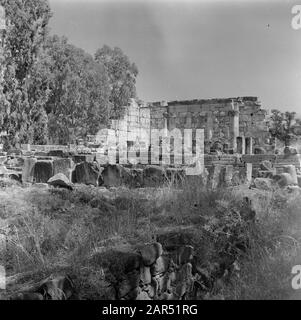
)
(195, 49)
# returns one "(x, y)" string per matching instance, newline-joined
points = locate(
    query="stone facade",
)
(231, 125)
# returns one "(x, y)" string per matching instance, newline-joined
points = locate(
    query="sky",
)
(195, 49)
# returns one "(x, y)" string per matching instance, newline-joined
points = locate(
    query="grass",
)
(55, 229)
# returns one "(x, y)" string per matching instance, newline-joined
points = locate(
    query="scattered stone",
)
(56, 153)
(283, 179)
(84, 158)
(160, 266)
(266, 165)
(184, 280)
(290, 150)
(28, 169)
(112, 175)
(145, 275)
(14, 162)
(64, 166)
(291, 169)
(27, 296)
(43, 171)
(87, 173)
(60, 181)
(150, 253)
(153, 176)
(259, 150)
(129, 284)
(263, 183)
(59, 288)
(299, 180)
(185, 254)
(142, 295)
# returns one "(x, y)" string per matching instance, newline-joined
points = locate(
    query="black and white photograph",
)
(150, 150)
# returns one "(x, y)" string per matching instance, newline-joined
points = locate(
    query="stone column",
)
(249, 145)
(165, 116)
(2, 38)
(209, 126)
(241, 145)
(234, 113)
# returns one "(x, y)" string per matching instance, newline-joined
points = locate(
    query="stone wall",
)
(232, 125)
(168, 269)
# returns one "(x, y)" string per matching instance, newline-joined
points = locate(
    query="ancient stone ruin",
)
(237, 148)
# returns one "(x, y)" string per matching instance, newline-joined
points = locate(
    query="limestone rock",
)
(184, 281)
(153, 176)
(266, 165)
(84, 158)
(283, 179)
(114, 175)
(129, 285)
(290, 150)
(299, 180)
(136, 178)
(59, 288)
(27, 296)
(56, 153)
(145, 275)
(87, 173)
(160, 266)
(118, 262)
(259, 150)
(263, 183)
(64, 166)
(185, 254)
(60, 181)
(14, 162)
(150, 253)
(43, 171)
(291, 169)
(142, 295)
(28, 169)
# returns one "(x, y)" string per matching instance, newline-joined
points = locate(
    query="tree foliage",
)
(283, 125)
(122, 77)
(79, 99)
(52, 90)
(26, 32)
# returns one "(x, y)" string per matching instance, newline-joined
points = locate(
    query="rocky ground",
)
(150, 243)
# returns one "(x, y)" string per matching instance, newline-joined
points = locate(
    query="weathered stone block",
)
(112, 175)
(283, 179)
(129, 286)
(84, 158)
(150, 253)
(56, 153)
(87, 173)
(145, 275)
(153, 176)
(263, 183)
(160, 266)
(43, 171)
(185, 254)
(63, 166)
(28, 169)
(61, 181)
(291, 169)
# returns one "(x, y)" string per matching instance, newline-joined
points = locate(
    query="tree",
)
(122, 77)
(282, 126)
(26, 32)
(79, 100)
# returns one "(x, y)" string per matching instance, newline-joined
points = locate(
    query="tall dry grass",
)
(52, 229)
